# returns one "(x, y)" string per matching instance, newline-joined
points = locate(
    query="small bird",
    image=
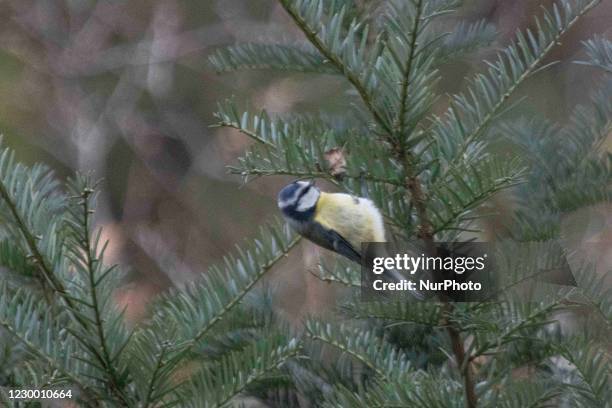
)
(336, 221)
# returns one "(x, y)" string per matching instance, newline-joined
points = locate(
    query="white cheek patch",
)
(291, 199)
(308, 200)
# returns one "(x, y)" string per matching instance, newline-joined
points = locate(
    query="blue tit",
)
(338, 222)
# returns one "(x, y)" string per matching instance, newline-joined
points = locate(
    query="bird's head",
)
(297, 200)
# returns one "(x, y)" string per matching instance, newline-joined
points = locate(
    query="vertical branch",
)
(399, 122)
(90, 263)
(459, 351)
(155, 375)
(425, 232)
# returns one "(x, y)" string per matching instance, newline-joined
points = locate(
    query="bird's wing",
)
(330, 239)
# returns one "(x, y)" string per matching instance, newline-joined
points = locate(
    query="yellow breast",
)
(355, 218)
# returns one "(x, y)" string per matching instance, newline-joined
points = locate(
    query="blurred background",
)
(123, 89)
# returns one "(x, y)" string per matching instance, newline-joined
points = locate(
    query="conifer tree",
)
(433, 175)
(219, 339)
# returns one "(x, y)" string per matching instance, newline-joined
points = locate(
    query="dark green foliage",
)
(433, 177)
(60, 327)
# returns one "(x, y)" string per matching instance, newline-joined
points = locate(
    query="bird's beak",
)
(312, 183)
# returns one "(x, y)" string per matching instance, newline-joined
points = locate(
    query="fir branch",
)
(464, 38)
(451, 200)
(513, 318)
(155, 375)
(91, 258)
(534, 53)
(467, 120)
(312, 174)
(415, 192)
(422, 390)
(399, 121)
(397, 312)
(263, 269)
(21, 316)
(462, 361)
(152, 367)
(10, 173)
(343, 272)
(361, 344)
(441, 171)
(298, 147)
(574, 151)
(15, 259)
(269, 56)
(596, 292)
(312, 35)
(594, 369)
(376, 397)
(426, 233)
(241, 369)
(599, 51)
(50, 361)
(197, 310)
(30, 239)
(242, 129)
(406, 71)
(528, 394)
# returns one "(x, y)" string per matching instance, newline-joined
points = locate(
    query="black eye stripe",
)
(302, 193)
